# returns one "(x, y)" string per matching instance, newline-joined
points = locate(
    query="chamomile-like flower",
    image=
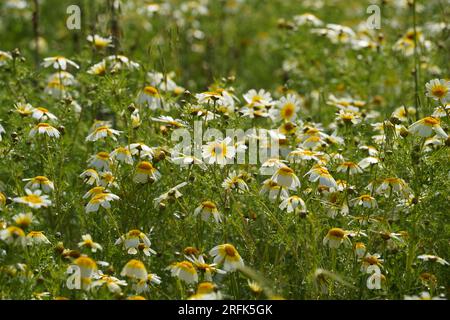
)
(428, 126)
(89, 243)
(208, 210)
(286, 108)
(34, 199)
(101, 199)
(220, 151)
(112, 283)
(365, 200)
(135, 269)
(150, 98)
(59, 62)
(100, 161)
(90, 177)
(39, 182)
(206, 291)
(285, 177)
(103, 132)
(100, 42)
(44, 129)
(41, 113)
(433, 258)
(146, 172)
(88, 270)
(185, 271)
(438, 89)
(227, 255)
(335, 237)
(13, 235)
(321, 174)
(291, 203)
(36, 238)
(134, 240)
(235, 182)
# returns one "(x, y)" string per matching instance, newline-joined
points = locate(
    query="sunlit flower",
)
(368, 162)
(208, 209)
(112, 283)
(101, 199)
(146, 172)
(90, 177)
(321, 174)
(119, 62)
(100, 42)
(227, 255)
(34, 199)
(88, 270)
(285, 177)
(39, 182)
(23, 220)
(122, 154)
(135, 269)
(24, 109)
(428, 126)
(273, 189)
(234, 181)
(365, 200)
(206, 291)
(349, 117)
(100, 161)
(371, 260)
(433, 258)
(171, 122)
(144, 285)
(44, 129)
(102, 132)
(36, 237)
(349, 167)
(438, 89)
(335, 237)
(173, 193)
(59, 62)
(299, 155)
(134, 240)
(4, 57)
(258, 98)
(209, 269)
(43, 114)
(291, 203)
(150, 97)
(141, 150)
(219, 151)
(393, 184)
(13, 235)
(360, 249)
(89, 243)
(98, 69)
(185, 271)
(307, 19)
(376, 279)
(286, 108)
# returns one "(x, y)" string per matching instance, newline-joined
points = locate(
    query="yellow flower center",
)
(230, 250)
(430, 121)
(336, 233)
(32, 198)
(288, 110)
(151, 90)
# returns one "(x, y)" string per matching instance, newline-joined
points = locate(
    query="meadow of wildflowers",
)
(224, 149)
